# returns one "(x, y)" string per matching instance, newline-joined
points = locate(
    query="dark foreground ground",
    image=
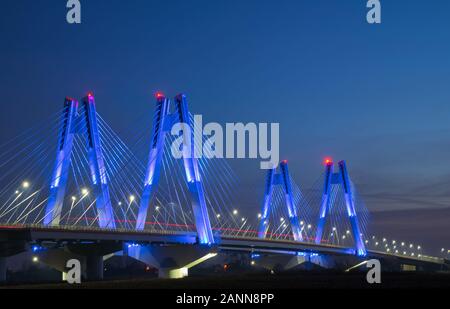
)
(305, 280)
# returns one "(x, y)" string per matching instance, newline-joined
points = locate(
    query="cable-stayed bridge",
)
(92, 196)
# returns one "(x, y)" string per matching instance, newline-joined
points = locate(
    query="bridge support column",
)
(57, 259)
(93, 270)
(172, 262)
(9, 248)
(94, 267)
(2, 269)
(91, 257)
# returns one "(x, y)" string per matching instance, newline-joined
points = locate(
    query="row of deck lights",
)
(395, 247)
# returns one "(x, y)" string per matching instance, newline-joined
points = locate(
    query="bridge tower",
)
(71, 123)
(162, 123)
(340, 178)
(283, 179)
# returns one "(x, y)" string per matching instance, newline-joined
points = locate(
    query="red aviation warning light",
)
(328, 161)
(159, 95)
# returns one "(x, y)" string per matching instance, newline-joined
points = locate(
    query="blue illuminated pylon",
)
(63, 158)
(283, 178)
(351, 211)
(325, 203)
(162, 123)
(71, 120)
(155, 156)
(341, 178)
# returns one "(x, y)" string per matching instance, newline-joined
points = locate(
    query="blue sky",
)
(375, 95)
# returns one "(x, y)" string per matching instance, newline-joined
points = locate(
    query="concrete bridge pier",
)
(94, 267)
(57, 259)
(91, 257)
(9, 248)
(172, 261)
(2, 269)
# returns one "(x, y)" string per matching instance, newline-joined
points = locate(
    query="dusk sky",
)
(375, 95)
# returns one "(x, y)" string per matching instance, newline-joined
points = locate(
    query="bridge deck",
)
(40, 234)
